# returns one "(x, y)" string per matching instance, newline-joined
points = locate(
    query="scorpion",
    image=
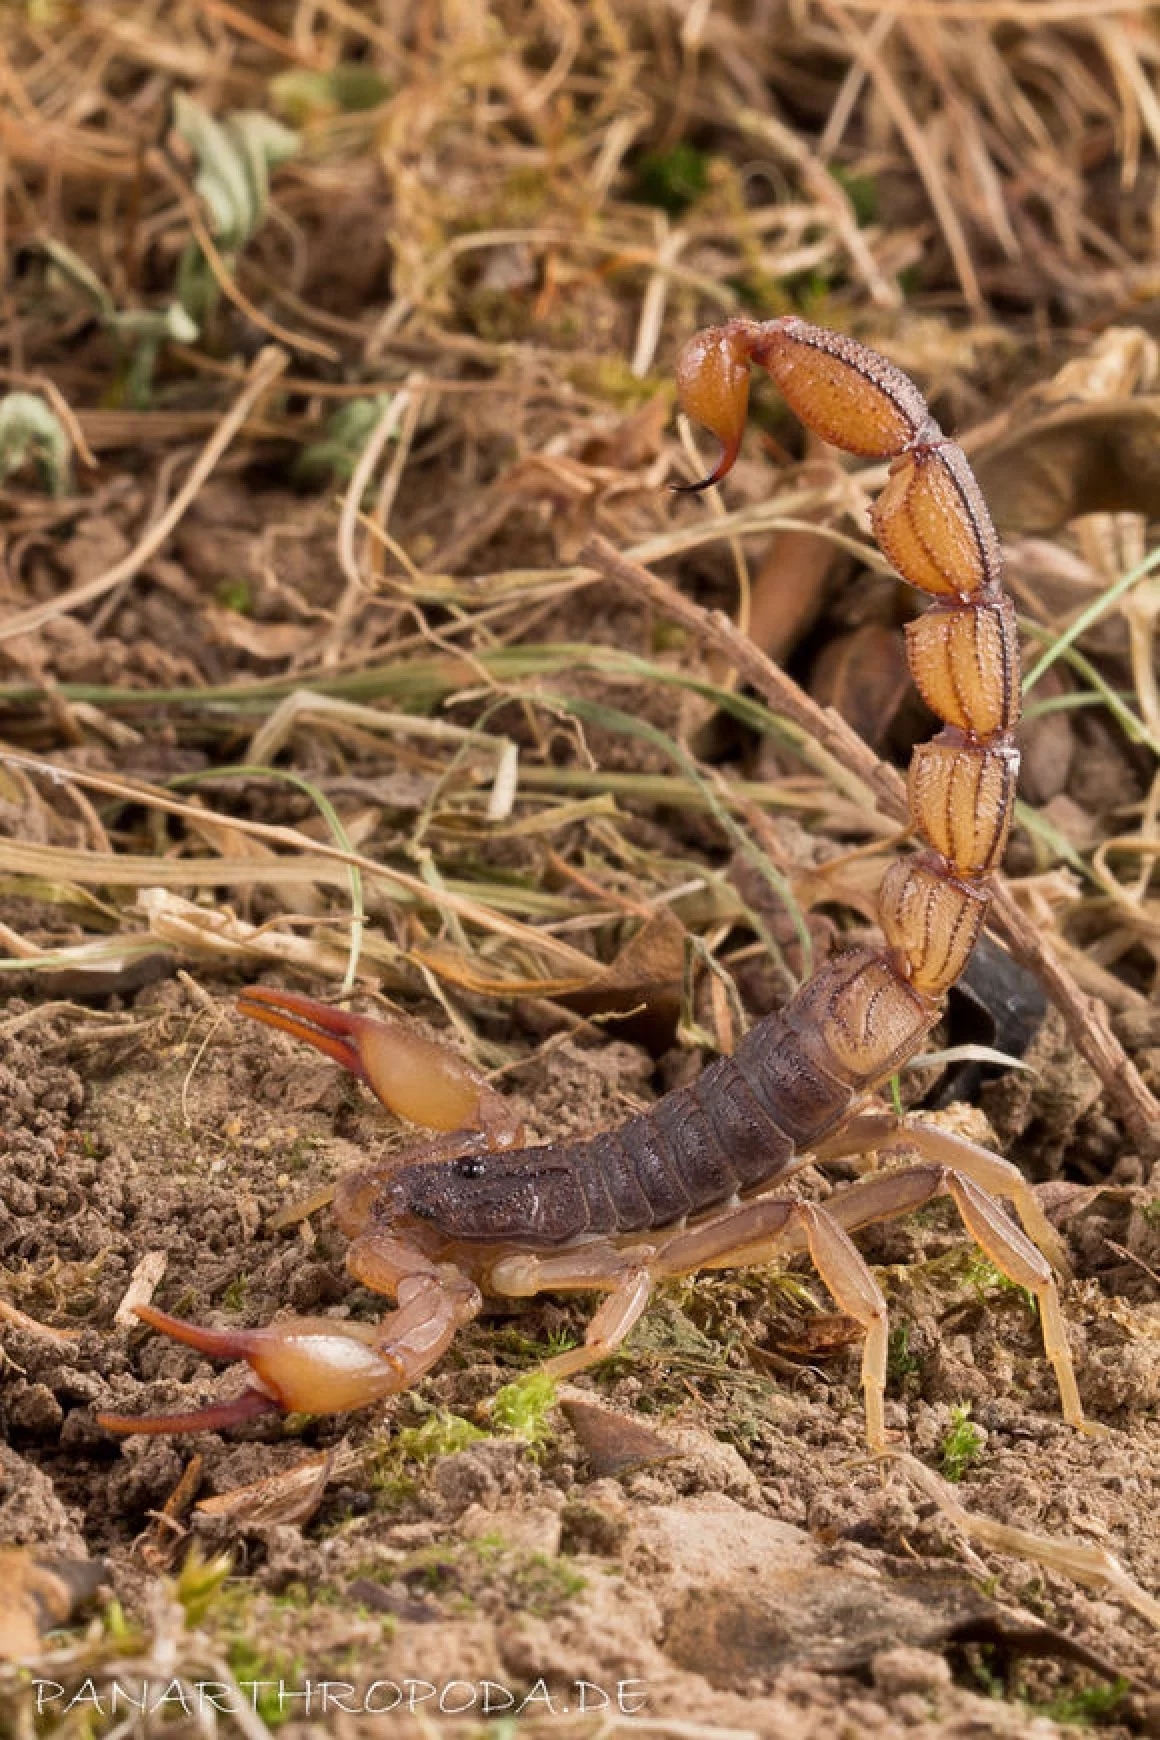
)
(686, 1185)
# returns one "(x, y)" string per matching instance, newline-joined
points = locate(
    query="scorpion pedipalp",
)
(299, 1365)
(419, 1079)
(317, 1365)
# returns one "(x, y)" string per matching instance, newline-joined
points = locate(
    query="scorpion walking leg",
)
(625, 1274)
(880, 1133)
(754, 1233)
(889, 1194)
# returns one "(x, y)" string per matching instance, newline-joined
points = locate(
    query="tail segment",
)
(864, 1013)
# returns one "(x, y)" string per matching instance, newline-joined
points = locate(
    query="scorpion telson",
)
(683, 1186)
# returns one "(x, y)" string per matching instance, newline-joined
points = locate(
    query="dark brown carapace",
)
(684, 1185)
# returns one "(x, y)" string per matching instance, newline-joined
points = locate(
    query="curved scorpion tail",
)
(865, 1012)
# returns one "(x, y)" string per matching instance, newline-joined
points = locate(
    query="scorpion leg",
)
(885, 1133)
(628, 1276)
(753, 1233)
(433, 1300)
(419, 1079)
(886, 1195)
(625, 1274)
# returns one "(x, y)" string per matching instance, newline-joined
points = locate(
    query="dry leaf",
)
(865, 676)
(261, 640)
(1073, 460)
(613, 1443)
(292, 1496)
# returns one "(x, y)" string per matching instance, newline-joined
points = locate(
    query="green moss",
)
(264, 1673)
(234, 1297)
(611, 378)
(299, 1156)
(522, 1408)
(464, 1573)
(442, 1434)
(540, 1584)
(305, 94)
(332, 459)
(201, 1584)
(900, 1362)
(1083, 1709)
(673, 180)
(235, 595)
(963, 1443)
(861, 191)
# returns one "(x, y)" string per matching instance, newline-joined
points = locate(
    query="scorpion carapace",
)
(481, 1214)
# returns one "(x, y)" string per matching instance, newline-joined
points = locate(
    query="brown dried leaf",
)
(864, 675)
(613, 1443)
(291, 1496)
(1047, 744)
(634, 441)
(821, 1336)
(647, 975)
(1044, 470)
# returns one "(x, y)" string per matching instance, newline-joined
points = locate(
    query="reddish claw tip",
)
(713, 390)
(217, 1417)
(218, 1344)
(332, 1031)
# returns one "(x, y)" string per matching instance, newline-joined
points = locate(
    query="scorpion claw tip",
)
(713, 390)
(334, 1032)
(216, 1417)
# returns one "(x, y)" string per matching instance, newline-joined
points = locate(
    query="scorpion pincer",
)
(684, 1185)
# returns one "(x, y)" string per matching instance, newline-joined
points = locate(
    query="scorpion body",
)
(735, 1130)
(683, 1185)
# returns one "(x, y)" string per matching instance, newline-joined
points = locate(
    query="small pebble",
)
(906, 1671)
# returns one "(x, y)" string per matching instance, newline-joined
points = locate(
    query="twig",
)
(1087, 1020)
(267, 368)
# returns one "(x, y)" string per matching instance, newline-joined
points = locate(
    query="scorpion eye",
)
(470, 1168)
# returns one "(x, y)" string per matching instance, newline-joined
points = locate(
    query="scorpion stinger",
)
(662, 1195)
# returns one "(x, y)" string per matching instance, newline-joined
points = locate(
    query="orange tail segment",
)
(867, 1011)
